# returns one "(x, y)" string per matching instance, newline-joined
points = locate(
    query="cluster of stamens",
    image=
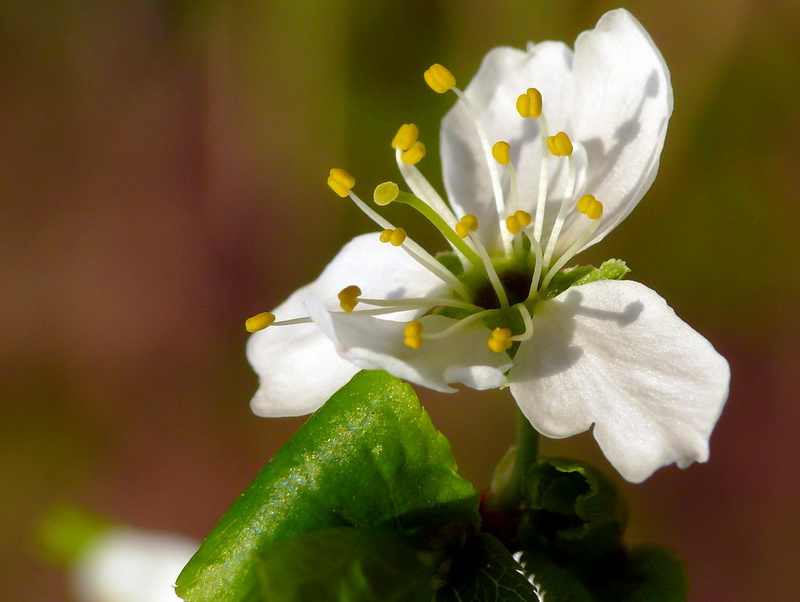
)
(527, 253)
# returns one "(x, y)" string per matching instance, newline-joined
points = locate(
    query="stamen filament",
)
(440, 224)
(544, 174)
(490, 271)
(415, 251)
(573, 250)
(526, 318)
(566, 203)
(494, 174)
(419, 303)
(461, 324)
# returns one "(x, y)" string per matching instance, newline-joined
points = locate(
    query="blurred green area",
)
(163, 177)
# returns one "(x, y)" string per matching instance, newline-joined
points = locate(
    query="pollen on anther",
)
(530, 104)
(341, 182)
(385, 193)
(590, 206)
(405, 137)
(500, 340)
(467, 224)
(412, 334)
(439, 78)
(500, 152)
(259, 321)
(413, 155)
(560, 145)
(348, 297)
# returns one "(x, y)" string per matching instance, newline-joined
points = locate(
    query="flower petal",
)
(613, 353)
(130, 566)
(298, 366)
(504, 74)
(377, 344)
(622, 104)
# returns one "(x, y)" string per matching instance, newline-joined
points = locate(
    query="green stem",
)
(524, 454)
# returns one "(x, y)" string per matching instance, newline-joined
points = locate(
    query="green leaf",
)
(613, 269)
(346, 563)
(486, 571)
(574, 511)
(370, 457)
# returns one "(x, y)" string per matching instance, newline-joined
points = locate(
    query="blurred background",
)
(162, 178)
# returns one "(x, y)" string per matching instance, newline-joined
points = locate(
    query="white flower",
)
(522, 203)
(125, 565)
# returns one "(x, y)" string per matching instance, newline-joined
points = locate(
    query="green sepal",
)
(613, 269)
(574, 512)
(370, 457)
(348, 564)
(486, 571)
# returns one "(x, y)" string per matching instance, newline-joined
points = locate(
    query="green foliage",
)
(369, 458)
(570, 532)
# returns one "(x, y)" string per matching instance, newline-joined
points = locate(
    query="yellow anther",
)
(396, 237)
(259, 321)
(590, 206)
(385, 193)
(348, 297)
(405, 137)
(439, 78)
(530, 103)
(513, 225)
(414, 154)
(560, 145)
(413, 334)
(500, 339)
(341, 182)
(523, 217)
(467, 224)
(500, 152)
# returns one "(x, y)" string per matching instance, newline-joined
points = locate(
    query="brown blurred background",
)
(162, 177)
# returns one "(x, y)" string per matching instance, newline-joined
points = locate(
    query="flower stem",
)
(510, 480)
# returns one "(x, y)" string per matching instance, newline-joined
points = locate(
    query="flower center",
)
(499, 286)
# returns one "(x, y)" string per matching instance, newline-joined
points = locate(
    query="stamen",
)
(467, 224)
(526, 319)
(560, 145)
(396, 237)
(562, 212)
(341, 182)
(439, 78)
(413, 334)
(416, 252)
(419, 303)
(515, 223)
(266, 319)
(530, 104)
(348, 298)
(405, 137)
(500, 340)
(414, 154)
(500, 152)
(591, 208)
(259, 321)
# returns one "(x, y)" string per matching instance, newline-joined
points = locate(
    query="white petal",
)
(298, 366)
(622, 104)
(504, 74)
(613, 353)
(377, 344)
(131, 566)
